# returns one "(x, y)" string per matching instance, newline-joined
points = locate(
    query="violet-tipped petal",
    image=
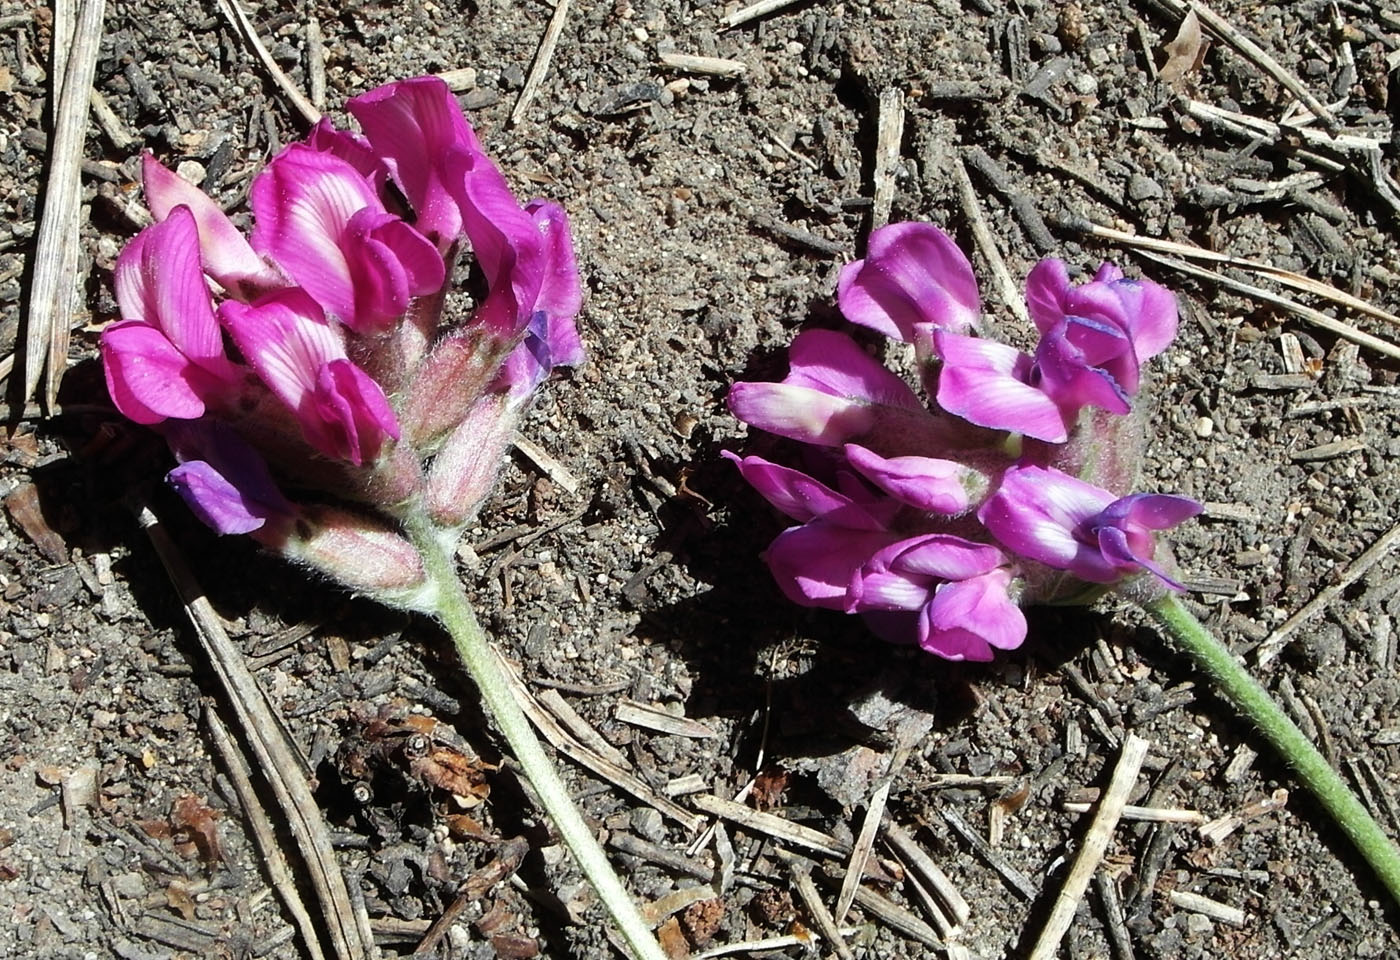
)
(834, 393)
(989, 384)
(793, 492)
(1084, 362)
(223, 480)
(226, 255)
(1145, 311)
(417, 125)
(1067, 524)
(926, 483)
(914, 279)
(903, 574)
(301, 357)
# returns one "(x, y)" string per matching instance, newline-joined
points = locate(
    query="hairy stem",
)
(1249, 696)
(455, 612)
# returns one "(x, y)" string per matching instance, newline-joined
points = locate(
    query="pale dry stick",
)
(943, 924)
(316, 62)
(1145, 814)
(1011, 296)
(555, 703)
(914, 855)
(652, 718)
(245, 29)
(349, 929)
(565, 743)
(889, 134)
(278, 872)
(1015, 879)
(709, 66)
(1092, 850)
(1222, 912)
(825, 923)
(772, 825)
(1251, 51)
(551, 467)
(1342, 142)
(889, 913)
(958, 781)
(1355, 570)
(865, 841)
(543, 55)
(1316, 317)
(759, 947)
(1285, 277)
(54, 289)
(753, 11)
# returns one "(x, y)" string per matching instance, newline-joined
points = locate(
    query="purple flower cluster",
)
(938, 522)
(313, 351)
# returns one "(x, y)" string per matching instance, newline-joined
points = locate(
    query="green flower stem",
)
(455, 612)
(1250, 697)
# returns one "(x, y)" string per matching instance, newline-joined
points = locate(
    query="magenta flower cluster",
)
(937, 522)
(304, 375)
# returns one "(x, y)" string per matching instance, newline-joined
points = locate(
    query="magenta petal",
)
(800, 413)
(1158, 511)
(352, 148)
(353, 415)
(561, 291)
(939, 556)
(226, 255)
(416, 124)
(158, 280)
(420, 261)
(913, 276)
(988, 384)
(505, 240)
(964, 620)
(927, 483)
(1041, 514)
(303, 203)
(791, 491)
(1079, 367)
(835, 364)
(813, 564)
(1046, 287)
(148, 379)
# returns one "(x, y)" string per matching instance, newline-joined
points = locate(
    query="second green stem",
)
(1236, 684)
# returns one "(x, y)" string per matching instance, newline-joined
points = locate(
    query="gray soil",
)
(711, 217)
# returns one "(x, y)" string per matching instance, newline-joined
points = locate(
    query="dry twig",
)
(242, 26)
(543, 55)
(889, 134)
(1093, 848)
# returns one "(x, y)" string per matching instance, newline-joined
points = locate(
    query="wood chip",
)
(1218, 829)
(541, 458)
(1214, 909)
(654, 718)
(555, 703)
(27, 511)
(889, 134)
(753, 12)
(1092, 850)
(1149, 814)
(711, 66)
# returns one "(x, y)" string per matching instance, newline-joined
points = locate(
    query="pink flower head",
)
(301, 357)
(319, 219)
(954, 591)
(1058, 520)
(165, 357)
(913, 280)
(419, 130)
(834, 393)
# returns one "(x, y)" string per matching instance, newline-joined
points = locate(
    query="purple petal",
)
(507, 244)
(222, 479)
(988, 384)
(813, 563)
(417, 125)
(415, 254)
(800, 413)
(940, 556)
(148, 379)
(913, 276)
(835, 364)
(927, 483)
(226, 255)
(1046, 288)
(1078, 367)
(1156, 511)
(561, 292)
(791, 491)
(1039, 513)
(967, 618)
